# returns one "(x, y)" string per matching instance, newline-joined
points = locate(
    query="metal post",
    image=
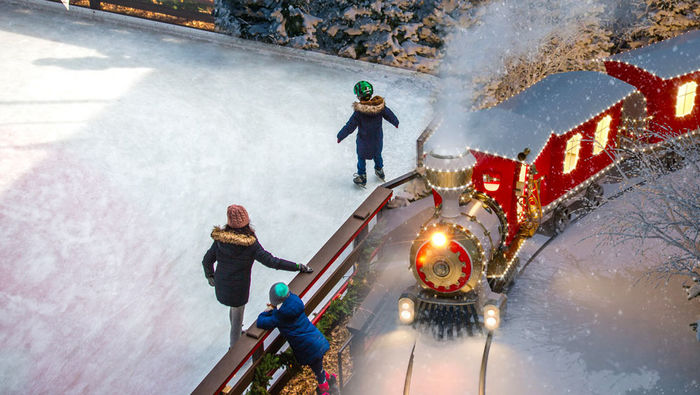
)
(340, 363)
(484, 359)
(95, 4)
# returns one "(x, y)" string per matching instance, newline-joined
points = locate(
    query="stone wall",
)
(402, 33)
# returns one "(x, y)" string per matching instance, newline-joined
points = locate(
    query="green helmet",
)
(278, 293)
(363, 90)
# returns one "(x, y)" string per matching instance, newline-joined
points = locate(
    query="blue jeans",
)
(317, 367)
(362, 166)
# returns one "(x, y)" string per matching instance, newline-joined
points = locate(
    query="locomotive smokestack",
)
(449, 176)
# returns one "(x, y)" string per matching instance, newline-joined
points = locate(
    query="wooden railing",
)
(257, 342)
(420, 142)
(181, 12)
(252, 346)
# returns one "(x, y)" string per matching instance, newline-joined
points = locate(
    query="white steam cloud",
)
(505, 29)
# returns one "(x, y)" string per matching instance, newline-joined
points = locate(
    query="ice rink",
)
(120, 148)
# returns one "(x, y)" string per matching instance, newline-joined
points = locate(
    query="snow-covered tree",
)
(649, 21)
(664, 196)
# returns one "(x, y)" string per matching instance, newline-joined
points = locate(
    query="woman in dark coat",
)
(367, 118)
(235, 247)
(307, 342)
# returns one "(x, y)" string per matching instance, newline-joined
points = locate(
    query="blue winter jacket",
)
(307, 342)
(368, 118)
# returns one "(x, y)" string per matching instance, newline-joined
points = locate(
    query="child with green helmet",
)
(367, 118)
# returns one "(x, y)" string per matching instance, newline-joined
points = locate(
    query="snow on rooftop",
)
(666, 59)
(504, 133)
(556, 104)
(563, 101)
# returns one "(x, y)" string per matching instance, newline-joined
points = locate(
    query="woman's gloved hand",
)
(211, 280)
(304, 268)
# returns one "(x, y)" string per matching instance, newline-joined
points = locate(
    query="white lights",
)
(438, 239)
(645, 70)
(407, 310)
(491, 323)
(459, 188)
(492, 317)
(580, 186)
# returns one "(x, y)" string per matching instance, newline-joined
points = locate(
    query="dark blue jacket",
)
(235, 253)
(307, 342)
(368, 118)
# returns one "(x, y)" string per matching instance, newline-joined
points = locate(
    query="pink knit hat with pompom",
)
(237, 216)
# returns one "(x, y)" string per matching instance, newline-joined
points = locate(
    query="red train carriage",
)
(492, 172)
(497, 174)
(667, 74)
(582, 113)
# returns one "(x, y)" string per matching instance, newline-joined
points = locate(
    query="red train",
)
(508, 169)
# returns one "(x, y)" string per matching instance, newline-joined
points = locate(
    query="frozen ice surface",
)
(119, 150)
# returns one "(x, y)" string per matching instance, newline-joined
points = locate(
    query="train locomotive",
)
(465, 256)
(498, 174)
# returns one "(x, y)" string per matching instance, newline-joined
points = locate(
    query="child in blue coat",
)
(307, 342)
(367, 118)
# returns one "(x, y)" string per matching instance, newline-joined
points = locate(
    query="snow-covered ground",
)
(120, 148)
(582, 318)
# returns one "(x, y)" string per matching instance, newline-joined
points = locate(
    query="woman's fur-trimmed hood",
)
(374, 105)
(231, 237)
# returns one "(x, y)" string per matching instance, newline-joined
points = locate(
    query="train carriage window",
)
(571, 156)
(686, 98)
(601, 135)
(491, 182)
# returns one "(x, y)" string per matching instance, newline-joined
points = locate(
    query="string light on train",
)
(649, 71)
(592, 120)
(578, 188)
(458, 188)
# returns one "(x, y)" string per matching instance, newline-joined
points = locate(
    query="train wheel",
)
(560, 219)
(594, 195)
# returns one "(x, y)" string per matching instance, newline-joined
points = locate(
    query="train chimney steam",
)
(449, 176)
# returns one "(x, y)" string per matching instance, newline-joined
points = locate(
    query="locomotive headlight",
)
(438, 239)
(492, 317)
(406, 310)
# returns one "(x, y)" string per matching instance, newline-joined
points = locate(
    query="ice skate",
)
(379, 173)
(323, 389)
(360, 180)
(332, 381)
